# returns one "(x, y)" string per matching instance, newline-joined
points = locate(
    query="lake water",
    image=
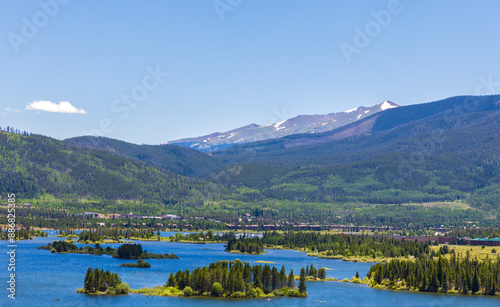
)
(43, 276)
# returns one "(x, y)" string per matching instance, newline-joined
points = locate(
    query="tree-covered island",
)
(103, 282)
(244, 245)
(139, 264)
(125, 251)
(233, 279)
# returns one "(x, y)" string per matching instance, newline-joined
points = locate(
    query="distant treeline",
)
(488, 232)
(15, 130)
(208, 236)
(67, 214)
(347, 245)
(113, 233)
(92, 236)
(23, 234)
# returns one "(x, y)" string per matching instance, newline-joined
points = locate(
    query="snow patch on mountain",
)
(387, 105)
(276, 126)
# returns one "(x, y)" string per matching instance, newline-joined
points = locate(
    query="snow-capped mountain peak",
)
(388, 105)
(298, 124)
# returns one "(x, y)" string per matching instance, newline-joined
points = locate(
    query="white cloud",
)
(49, 106)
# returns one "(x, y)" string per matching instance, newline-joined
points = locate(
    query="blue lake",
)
(42, 276)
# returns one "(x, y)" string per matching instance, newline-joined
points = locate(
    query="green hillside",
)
(446, 155)
(180, 160)
(33, 166)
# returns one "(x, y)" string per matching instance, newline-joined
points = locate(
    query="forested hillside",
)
(448, 156)
(180, 160)
(35, 165)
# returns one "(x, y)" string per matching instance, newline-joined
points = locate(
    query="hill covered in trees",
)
(34, 166)
(179, 160)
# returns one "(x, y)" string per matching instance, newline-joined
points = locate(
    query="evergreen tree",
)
(88, 280)
(266, 279)
(274, 279)
(475, 283)
(302, 281)
(291, 280)
(282, 278)
(433, 282)
(172, 282)
(322, 273)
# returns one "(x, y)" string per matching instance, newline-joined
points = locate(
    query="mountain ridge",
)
(296, 125)
(447, 109)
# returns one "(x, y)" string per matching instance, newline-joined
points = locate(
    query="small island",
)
(125, 251)
(99, 282)
(243, 245)
(139, 264)
(231, 279)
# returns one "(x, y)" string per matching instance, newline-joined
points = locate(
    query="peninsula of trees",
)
(453, 275)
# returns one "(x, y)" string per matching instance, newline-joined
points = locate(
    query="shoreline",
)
(449, 292)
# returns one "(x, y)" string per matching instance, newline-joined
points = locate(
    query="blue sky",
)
(232, 62)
